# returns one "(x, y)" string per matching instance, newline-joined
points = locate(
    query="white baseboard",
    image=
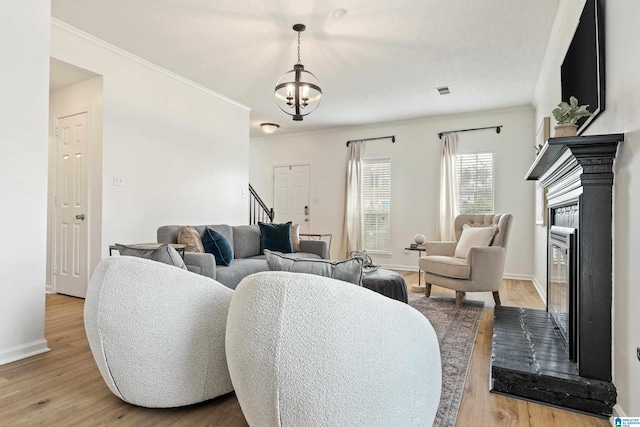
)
(512, 276)
(400, 267)
(541, 291)
(515, 276)
(23, 351)
(532, 279)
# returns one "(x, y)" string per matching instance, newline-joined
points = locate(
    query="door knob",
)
(80, 217)
(306, 220)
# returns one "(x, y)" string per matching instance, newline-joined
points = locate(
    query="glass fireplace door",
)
(561, 291)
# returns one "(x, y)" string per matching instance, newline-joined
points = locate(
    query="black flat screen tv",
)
(582, 71)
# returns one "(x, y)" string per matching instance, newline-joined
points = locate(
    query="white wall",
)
(415, 172)
(622, 115)
(83, 96)
(182, 150)
(24, 85)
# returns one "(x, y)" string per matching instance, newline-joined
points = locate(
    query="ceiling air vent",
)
(444, 90)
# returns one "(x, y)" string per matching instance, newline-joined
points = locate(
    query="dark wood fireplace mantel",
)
(578, 174)
(594, 147)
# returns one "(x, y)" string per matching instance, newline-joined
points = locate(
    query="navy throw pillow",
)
(275, 237)
(217, 244)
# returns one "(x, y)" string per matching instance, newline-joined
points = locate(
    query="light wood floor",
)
(63, 387)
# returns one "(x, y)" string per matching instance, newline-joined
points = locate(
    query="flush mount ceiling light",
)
(298, 89)
(269, 127)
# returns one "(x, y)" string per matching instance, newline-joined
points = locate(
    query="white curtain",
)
(448, 207)
(353, 233)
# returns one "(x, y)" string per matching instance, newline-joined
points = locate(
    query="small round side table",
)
(419, 287)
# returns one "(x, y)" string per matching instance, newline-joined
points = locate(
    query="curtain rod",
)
(497, 128)
(393, 139)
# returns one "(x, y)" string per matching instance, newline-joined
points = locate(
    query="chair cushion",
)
(474, 236)
(190, 237)
(349, 270)
(164, 254)
(275, 237)
(447, 266)
(217, 244)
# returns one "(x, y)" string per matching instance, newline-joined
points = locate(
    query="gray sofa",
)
(245, 241)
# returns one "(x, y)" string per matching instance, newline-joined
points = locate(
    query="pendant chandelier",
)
(298, 91)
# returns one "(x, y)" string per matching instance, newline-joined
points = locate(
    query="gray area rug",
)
(456, 329)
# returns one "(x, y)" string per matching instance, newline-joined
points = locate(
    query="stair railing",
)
(258, 211)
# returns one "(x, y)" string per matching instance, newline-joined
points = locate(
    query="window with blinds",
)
(475, 183)
(377, 203)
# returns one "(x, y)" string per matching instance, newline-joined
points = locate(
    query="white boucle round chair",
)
(157, 332)
(309, 351)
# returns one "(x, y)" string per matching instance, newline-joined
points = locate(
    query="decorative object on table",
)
(413, 245)
(456, 329)
(298, 89)
(419, 239)
(543, 134)
(567, 115)
(367, 262)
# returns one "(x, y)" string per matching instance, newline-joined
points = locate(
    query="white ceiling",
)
(382, 61)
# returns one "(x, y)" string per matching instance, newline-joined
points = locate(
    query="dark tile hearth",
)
(529, 361)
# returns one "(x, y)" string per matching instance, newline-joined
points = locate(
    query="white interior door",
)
(71, 201)
(291, 195)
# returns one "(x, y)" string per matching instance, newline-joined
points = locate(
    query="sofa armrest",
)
(487, 267)
(204, 264)
(318, 247)
(440, 248)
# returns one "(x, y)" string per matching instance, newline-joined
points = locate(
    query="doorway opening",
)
(74, 208)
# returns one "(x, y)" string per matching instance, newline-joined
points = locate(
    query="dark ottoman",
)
(385, 282)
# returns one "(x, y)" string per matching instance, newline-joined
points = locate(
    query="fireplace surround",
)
(562, 356)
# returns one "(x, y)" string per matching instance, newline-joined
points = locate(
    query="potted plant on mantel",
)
(567, 115)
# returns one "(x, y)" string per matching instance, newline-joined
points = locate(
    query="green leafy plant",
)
(568, 114)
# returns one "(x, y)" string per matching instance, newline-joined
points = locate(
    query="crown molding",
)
(128, 55)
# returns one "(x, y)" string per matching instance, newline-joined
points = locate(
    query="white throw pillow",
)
(474, 236)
